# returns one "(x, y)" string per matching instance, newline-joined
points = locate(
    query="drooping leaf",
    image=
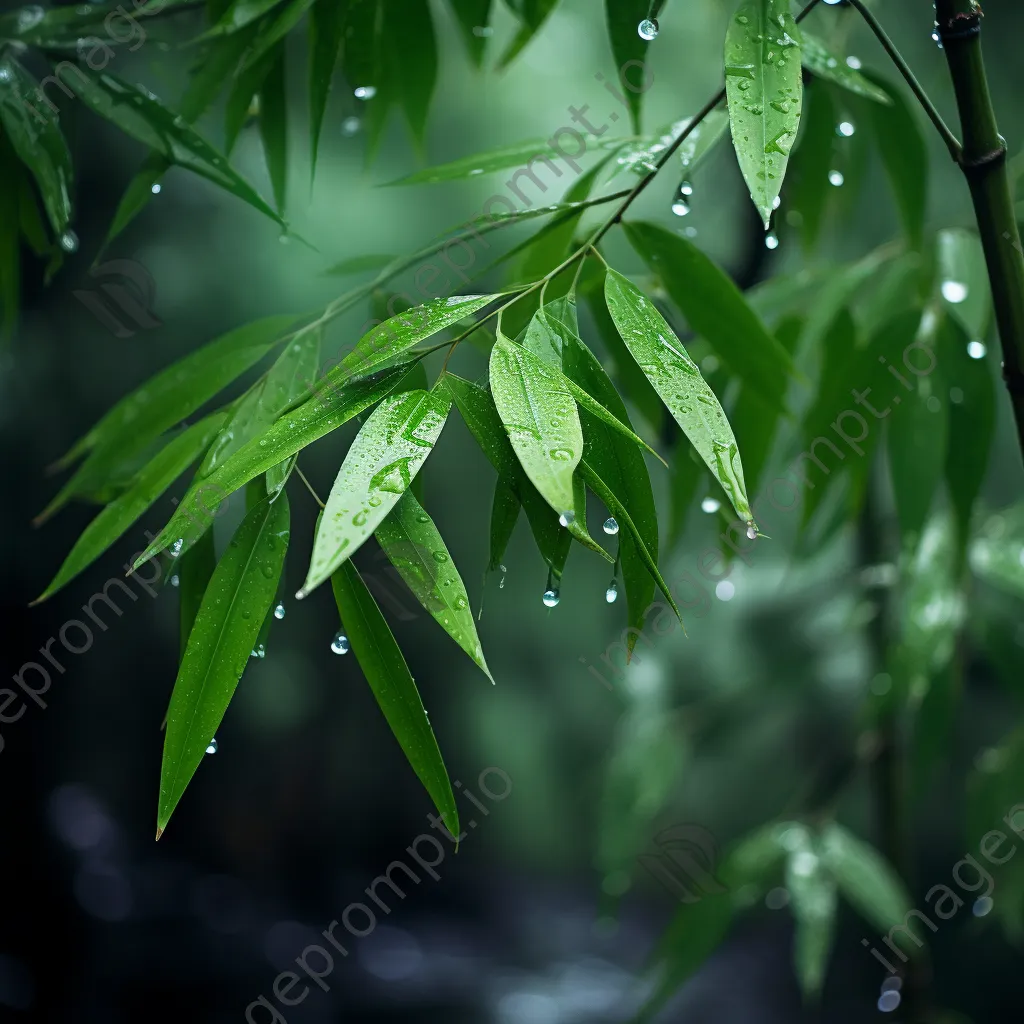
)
(678, 381)
(817, 58)
(230, 616)
(242, 12)
(326, 30)
(242, 103)
(274, 126)
(151, 481)
(812, 895)
(411, 47)
(519, 155)
(291, 433)
(623, 17)
(393, 687)
(716, 310)
(415, 547)
(504, 516)
(474, 18)
(533, 14)
(764, 88)
(386, 454)
(273, 30)
(963, 280)
(808, 178)
(195, 570)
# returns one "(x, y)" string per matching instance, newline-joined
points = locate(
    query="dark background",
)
(309, 797)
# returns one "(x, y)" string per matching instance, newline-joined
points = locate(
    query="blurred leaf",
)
(242, 103)
(905, 158)
(812, 894)
(533, 14)
(230, 616)
(817, 58)
(677, 380)
(408, 31)
(623, 17)
(242, 12)
(518, 155)
(415, 547)
(195, 570)
(504, 516)
(688, 471)
(387, 453)
(290, 434)
(274, 127)
(809, 183)
(360, 264)
(995, 552)
(715, 309)
(764, 87)
(474, 18)
(972, 422)
(393, 687)
(273, 30)
(326, 31)
(963, 280)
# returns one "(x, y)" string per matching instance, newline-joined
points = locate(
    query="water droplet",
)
(777, 202)
(611, 595)
(680, 208)
(350, 126)
(212, 746)
(155, 188)
(710, 505)
(936, 38)
(976, 349)
(982, 906)
(340, 644)
(567, 519)
(648, 29)
(365, 92)
(69, 241)
(259, 651)
(551, 598)
(836, 178)
(279, 611)
(175, 548)
(954, 291)
(771, 240)
(611, 526)
(725, 591)
(854, 62)
(751, 531)
(501, 582)
(686, 189)
(845, 129)
(888, 1001)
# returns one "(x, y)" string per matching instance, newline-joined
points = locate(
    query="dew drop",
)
(350, 126)
(156, 188)
(69, 241)
(340, 644)
(686, 189)
(888, 1001)
(212, 746)
(611, 595)
(854, 62)
(648, 29)
(365, 92)
(976, 349)
(680, 208)
(954, 291)
(279, 611)
(176, 547)
(771, 240)
(567, 519)
(710, 505)
(175, 581)
(611, 526)
(551, 598)
(259, 651)
(751, 531)
(836, 178)
(845, 129)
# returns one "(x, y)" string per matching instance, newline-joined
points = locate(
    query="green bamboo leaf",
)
(476, 406)
(241, 104)
(641, 156)
(622, 516)
(474, 17)
(533, 14)
(412, 52)
(872, 887)
(273, 31)
(764, 88)
(716, 310)
(66, 27)
(623, 17)
(164, 400)
(677, 380)
(812, 895)
(360, 264)
(905, 158)
(415, 547)
(388, 675)
(38, 141)
(195, 570)
(521, 154)
(809, 185)
(242, 12)
(386, 454)
(230, 615)
(291, 433)
(140, 115)
(326, 30)
(963, 280)
(274, 126)
(504, 516)
(151, 481)
(818, 58)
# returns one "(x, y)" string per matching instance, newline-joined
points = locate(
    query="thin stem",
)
(951, 141)
(309, 486)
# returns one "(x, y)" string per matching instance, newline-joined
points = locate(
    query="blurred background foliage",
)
(768, 703)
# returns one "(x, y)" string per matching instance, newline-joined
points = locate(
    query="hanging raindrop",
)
(156, 188)
(611, 526)
(648, 29)
(611, 595)
(710, 505)
(686, 189)
(350, 126)
(845, 129)
(976, 349)
(836, 178)
(175, 581)
(751, 531)
(340, 644)
(212, 746)
(954, 291)
(69, 241)
(279, 611)
(567, 519)
(771, 240)
(551, 598)
(680, 207)
(365, 92)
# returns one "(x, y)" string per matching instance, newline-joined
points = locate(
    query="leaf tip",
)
(159, 833)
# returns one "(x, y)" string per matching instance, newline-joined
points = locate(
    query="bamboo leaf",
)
(520, 154)
(291, 433)
(963, 280)
(242, 12)
(151, 481)
(359, 265)
(386, 454)
(533, 14)
(812, 893)
(504, 516)
(474, 18)
(274, 126)
(230, 616)
(195, 570)
(716, 309)
(623, 17)
(818, 58)
(415, 547)
(764, 88)
(393, 687)
(677, 380)
(641, 156)
(326, 30)
(809, 187)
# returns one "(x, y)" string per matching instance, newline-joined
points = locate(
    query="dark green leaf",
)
(817, 58)
(963, 280)
(415, 547)
(195, 570)
(242, 12)
(623, 17)
(764, 87)
(474, 19)
(230, 615)
(326, 30)
(504, 516)
(388, 675)
(533, 14)
(808, 178)
(274, 126)
(387, 453)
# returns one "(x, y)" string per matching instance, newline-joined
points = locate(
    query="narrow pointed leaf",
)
(359, 265)
(151, 481)
(195, 570)
(809, 186)
(541, 419)
(392, 684)
(290, 434)
(963, 280)
(677, 380)
(641, 155)
(764, 88)
(812, 893)
(386, 454)
(818, 58)
(504, 516)
(242, 12)
(623, 17)
(533, 14)
(274, 127)
(533, 153)
(716, 309)
(474, 18)
(326, 30)
(415, 547)
(230, 616)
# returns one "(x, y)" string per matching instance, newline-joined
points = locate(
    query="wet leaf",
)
(504, 516)
(387, 453)
(393, 687)
(812, 895)
(764, 88)
(623, 17)
(531, 153)
(963, 280)
(230, 616)
(641, 155)
(818, 58)
(195, 570)
(415, 547)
